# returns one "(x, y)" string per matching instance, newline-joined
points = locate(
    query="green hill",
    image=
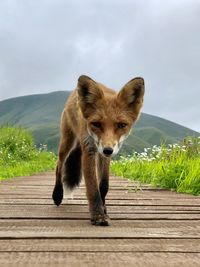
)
(41, 114)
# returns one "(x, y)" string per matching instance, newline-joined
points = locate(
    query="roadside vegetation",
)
(19, 156)
(175, 167)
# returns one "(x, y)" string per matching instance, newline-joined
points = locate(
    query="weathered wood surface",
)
(149, 227)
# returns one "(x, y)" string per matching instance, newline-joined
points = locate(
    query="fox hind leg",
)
(66, 143)
(58, 189)
(71, 171)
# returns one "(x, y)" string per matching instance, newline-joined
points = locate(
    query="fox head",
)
(109, 116)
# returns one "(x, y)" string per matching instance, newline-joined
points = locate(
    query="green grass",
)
(175, 167)
(19, 156)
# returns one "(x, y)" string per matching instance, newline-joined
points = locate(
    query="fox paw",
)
(100, 220)
(57, 194)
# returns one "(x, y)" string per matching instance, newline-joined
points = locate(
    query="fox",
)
(94, 124)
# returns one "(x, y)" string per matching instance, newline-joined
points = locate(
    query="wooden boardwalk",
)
(149, 227)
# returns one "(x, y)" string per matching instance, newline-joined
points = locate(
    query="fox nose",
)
(108, 151)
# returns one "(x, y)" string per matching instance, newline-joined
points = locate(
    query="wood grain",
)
(149, 226)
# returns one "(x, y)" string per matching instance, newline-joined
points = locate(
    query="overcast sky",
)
(46, 44)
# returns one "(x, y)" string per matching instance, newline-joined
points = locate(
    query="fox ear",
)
(88, 90)
(131, 95)
(88, 95)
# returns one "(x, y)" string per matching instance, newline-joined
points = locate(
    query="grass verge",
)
(174, 167)
(19, 156)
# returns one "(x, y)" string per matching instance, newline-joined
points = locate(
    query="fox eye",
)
(96, 124)
(121, 125)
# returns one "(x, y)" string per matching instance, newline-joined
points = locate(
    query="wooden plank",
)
(114, 189)
(46, 176)
(46, 189)
(26, 181)
(63, 208)
(110, 259)
(116, 194)
(29, 182)
(78, 212)
(37, 228)
(113, 216)
(106, 245)
(149, 227)
(140, 203)
(111, 204)
(34, 180)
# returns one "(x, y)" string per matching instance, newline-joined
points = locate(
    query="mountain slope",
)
(41, 114)
(33, 110)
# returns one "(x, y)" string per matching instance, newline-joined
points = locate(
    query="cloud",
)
(46, 45)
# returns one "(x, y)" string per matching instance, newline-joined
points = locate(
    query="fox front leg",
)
(98, 217)
(103, 164)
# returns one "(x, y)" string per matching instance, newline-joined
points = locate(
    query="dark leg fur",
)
(66, 144)
(72, 168)
(103, 169)
(89, 161)
(98, 217)
(71, 174)
(58, 189)
(103, 187)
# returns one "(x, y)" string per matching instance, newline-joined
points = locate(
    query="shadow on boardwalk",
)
(149, 227)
